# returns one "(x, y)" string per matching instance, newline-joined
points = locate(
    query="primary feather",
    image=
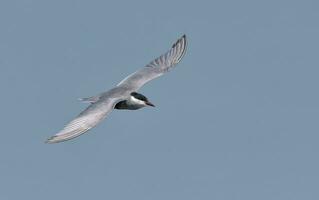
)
(86, 120)
(157, 67)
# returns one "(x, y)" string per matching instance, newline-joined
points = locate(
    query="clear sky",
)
(237, 119)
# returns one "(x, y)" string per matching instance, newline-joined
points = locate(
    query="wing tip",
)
(183, 38)
(183, 42)
(52, 140)
(49, 140)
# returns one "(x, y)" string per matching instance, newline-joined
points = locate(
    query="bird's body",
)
(123, 96)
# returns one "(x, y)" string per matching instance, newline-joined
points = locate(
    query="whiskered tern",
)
(122, 96)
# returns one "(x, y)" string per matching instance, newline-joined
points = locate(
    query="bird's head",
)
(140, 99)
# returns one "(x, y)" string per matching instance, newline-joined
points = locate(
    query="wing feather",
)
(86, 120)
(157, 67)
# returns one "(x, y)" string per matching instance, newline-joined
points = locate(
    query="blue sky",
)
(236, 119)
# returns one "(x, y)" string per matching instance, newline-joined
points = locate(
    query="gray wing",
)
(86, 120)
(157, 67)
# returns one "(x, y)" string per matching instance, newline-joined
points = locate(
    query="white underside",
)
(134, 100)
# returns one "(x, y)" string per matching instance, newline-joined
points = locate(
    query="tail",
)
(90, 99)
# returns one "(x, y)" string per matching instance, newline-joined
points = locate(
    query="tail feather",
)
(90, 99)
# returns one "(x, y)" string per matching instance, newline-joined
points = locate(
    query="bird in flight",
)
(122, 96)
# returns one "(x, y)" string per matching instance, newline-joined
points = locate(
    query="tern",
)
(122, 96)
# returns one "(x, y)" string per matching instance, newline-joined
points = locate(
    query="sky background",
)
(236, 119)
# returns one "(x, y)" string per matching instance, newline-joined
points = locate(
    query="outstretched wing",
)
(86, 120)
(157, 67)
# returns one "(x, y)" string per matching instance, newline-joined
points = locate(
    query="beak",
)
(149, 104)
